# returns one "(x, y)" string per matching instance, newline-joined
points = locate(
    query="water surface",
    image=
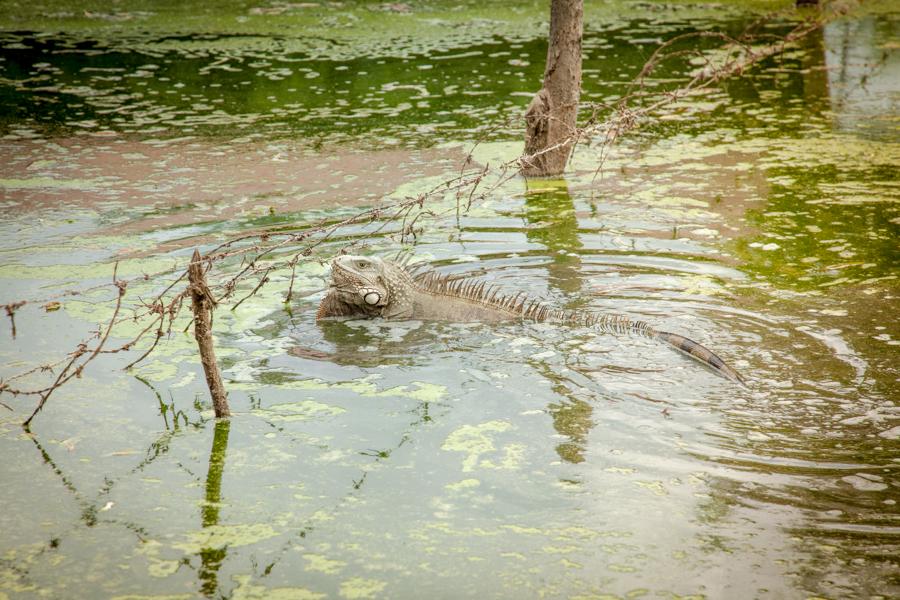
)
(376, 459)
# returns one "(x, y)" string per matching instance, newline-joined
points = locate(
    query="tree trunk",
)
(551, 116)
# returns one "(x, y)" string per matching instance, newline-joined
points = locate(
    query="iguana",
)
(366, 287)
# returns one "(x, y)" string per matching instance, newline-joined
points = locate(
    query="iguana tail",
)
(614, 323)
(698, 352)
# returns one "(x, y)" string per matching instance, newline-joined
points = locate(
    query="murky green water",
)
(412, 460)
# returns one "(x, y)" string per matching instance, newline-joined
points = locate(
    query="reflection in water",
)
(862, 74)
(367, 344)
(165, 410)
(550, 213)
(551, 218)
(815, 77)
(88, 509)
(572, 416)
(211, 558)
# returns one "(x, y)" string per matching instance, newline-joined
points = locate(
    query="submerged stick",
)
(203, 303)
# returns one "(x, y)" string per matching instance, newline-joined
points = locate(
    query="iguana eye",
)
(362, 264)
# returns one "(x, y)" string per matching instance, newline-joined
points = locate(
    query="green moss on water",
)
(364, 386)
(477, 440)
(220, 536)
(358, 588)
(832, 216)
(152, 597)
(322, 564)
(326, 72)
(299, 411)
(362, 23)
(462, 485)
(247, 590)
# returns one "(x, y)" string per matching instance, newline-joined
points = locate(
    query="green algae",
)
(314, 70)
(322, 564)
(464, 484)
(359, 587)
(220, 536)
(152, 597)
(477, 440)
(325, 28)
(298, 411)
(827, 224)
(248, 591)
(365, 387)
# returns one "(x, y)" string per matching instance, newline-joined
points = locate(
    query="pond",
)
(376, 459)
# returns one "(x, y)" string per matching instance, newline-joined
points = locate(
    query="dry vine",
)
(259, 250)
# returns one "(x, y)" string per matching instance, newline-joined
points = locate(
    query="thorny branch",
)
(76, 369)
(262, 252)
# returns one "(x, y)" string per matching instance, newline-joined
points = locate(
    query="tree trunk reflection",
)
(211, 559)
(550, 212)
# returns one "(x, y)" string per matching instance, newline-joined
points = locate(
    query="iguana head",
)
(370, 285)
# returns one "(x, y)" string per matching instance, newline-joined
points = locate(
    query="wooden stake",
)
(203, 303)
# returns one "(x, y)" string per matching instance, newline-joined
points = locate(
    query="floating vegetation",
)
(390, 460)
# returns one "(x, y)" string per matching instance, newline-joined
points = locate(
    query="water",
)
(374, 459)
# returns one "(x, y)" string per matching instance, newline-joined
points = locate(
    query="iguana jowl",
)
(366, 287)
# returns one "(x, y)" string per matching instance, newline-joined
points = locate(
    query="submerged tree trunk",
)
(551, 116)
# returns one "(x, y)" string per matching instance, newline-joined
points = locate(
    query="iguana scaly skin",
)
(366, 287)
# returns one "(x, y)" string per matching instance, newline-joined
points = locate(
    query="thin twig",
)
(62, 377)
